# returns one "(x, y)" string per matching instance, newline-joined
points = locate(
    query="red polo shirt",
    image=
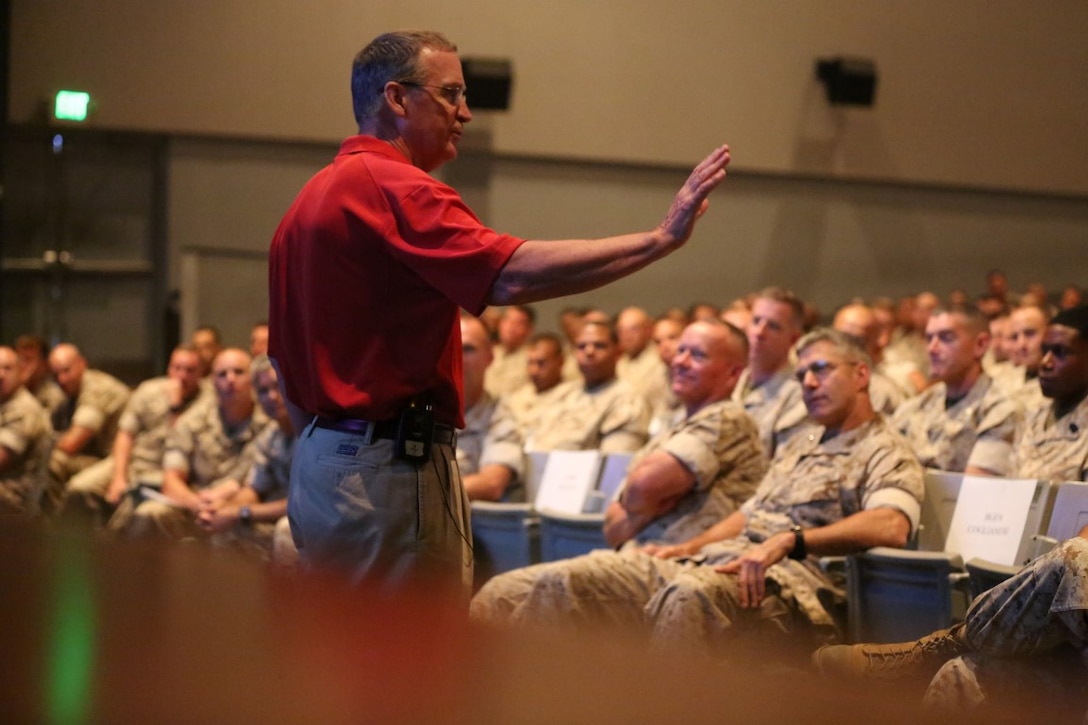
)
(367, 271)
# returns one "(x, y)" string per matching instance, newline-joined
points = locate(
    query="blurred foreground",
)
(117, 632)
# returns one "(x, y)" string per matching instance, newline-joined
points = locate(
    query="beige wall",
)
(978, 103)
(982, 93)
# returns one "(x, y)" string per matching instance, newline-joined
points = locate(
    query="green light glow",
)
(72, 105)
(71, 650)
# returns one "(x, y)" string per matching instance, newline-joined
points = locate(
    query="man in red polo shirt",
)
(366, 273)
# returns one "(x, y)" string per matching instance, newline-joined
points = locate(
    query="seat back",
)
(1070, 513)
(613, 472)
(568, 479)
(898, 595)
(942, 490)
(565, 535)
(535, 462)
(505, 536)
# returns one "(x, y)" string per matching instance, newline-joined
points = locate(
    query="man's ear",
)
(864, 374)
(396, 98)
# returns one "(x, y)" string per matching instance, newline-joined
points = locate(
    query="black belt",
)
(380, 429)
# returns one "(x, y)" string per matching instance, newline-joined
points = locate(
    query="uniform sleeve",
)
(503, 444)
(625, 425)
(895, 479)
(98, 402)
(258, 477)
(89, 416)
(15, 432)
(180, 443)
(707, 445)
(131, 417)
(993, 449)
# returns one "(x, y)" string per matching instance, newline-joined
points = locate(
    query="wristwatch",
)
(245, 516)
(799, 550)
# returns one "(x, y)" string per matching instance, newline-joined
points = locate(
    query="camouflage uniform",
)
(1053, 449)
(1027, 634)
(900, 375)
(98, 407)
(908, 348)
(885, 395)
(507, 372)
(977, 431)
(147, 418)
(1004, 373)
(610, 417)
(50, 395)
(270, 477)
(206, 454)
(1030, 395)
(719, 444)
(491, 436)
(647, 374)
(812, 483)
(527, 406)
(25, 432)
(776, 405)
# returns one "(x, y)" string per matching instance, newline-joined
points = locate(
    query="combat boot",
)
(921, 658)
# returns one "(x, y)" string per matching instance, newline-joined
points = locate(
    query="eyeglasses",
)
(454, 95)
(821, 369)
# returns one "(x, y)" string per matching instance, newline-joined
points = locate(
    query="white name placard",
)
(990, 517)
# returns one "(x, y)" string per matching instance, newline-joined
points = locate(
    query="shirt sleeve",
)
(440, 238)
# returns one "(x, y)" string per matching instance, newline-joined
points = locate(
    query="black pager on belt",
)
(414, 433)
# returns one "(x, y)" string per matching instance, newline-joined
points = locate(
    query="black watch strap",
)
(800, 551)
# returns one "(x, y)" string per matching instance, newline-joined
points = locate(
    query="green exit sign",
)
(71, 105)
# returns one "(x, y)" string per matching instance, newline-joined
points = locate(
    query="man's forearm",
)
(74, 439)
(541, 270)
(863, 530)
(122, 454)
(489, 483)
(175, 487)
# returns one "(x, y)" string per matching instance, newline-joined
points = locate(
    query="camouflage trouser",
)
(699, 610)
(1033, 626)
(678, 603)
(153, 519)
(600, 588)
(86, 489)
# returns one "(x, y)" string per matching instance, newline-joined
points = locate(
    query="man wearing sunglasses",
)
(366, 273)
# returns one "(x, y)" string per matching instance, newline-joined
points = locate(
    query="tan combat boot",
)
(921, 658)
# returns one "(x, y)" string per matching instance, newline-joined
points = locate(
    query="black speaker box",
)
(489, 81)
(848, 81)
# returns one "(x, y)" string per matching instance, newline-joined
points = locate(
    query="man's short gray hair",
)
(848, 346)
(390, 57)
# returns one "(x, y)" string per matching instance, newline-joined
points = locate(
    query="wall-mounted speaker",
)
(848, 81)
(489, 82)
